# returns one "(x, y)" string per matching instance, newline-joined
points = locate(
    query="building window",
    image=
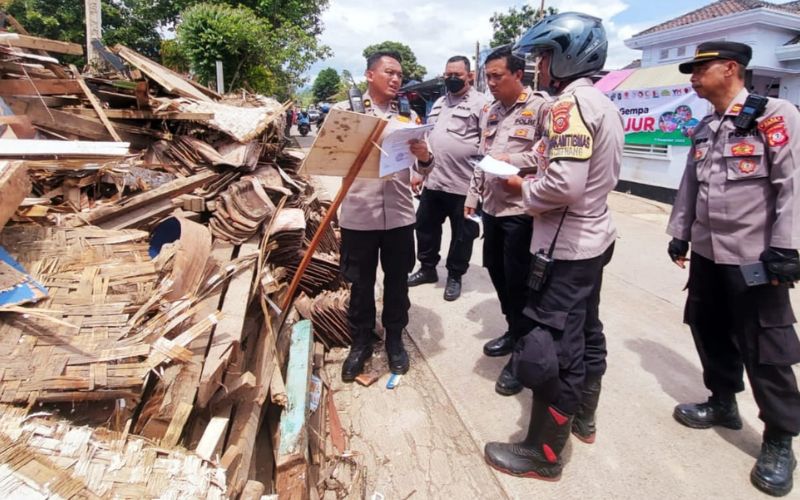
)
(653, 151)
(681, 51)
(664, 54)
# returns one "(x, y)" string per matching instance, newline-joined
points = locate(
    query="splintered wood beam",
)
(19, 28)
(293, 457)
(228, 333)
(36, 43)
(98, 108)
(168, 79)
(166, 191)
(50, 86)
(14, 186)
(212, 437)
(135, 114)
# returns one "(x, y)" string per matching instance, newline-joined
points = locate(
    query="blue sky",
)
(438, 29)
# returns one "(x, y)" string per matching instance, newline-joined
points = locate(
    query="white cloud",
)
(438, 29)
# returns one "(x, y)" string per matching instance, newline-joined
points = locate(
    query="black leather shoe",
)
(398, 361)
(354, 364)
(499, 346)
(422, 276)
(507, 384)
(716, 411)
(453, 289)
(773, 470)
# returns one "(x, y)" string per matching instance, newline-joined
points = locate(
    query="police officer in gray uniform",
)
(454, 141)
(738, 205)
(563, 357)
(511, 127)
(377, 221)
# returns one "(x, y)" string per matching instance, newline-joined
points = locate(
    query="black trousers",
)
(568, 308)
(507, 257)
(360, 253)
(434, 208)
(738, 328)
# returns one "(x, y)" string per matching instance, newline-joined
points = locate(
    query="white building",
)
(771, 29)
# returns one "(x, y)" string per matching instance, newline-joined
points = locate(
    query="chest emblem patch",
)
(747, 166)
(743, 149)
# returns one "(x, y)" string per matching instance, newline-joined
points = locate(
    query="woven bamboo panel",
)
(100, 331)
(48, 458)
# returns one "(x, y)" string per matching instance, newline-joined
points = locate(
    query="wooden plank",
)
(253, 490)
(53, 119)
(249, 415)
(176, 425)
(171, 81)
(136, 114)
(292, 457)
(14, 186)
(212, 437)
(95, 104)
(31, 148)
(228, 333)
(39, 87)
(34, 42)
(52, 66)
(166, 191)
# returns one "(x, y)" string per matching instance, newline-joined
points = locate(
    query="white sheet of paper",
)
(496, 167)
(396, 154)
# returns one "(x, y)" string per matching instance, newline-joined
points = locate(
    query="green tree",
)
(133, 23)
(326, 84)
(511, 25)
(411, 69)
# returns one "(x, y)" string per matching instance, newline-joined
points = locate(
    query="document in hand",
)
(396, 152)
(496, 167)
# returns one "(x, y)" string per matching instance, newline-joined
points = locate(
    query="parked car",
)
(313, 115)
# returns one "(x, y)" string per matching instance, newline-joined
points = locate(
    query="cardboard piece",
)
(339, 142)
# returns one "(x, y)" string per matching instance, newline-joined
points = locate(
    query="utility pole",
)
(93, 30)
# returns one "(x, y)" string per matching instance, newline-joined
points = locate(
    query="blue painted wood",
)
(292, 428)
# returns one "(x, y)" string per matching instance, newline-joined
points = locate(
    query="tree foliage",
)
(265, 54)
(326, 85)
(511, 25)
(411, 69)
(288, 31)
(130, 22)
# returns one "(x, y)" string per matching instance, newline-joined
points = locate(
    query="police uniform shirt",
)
(380, 204)
(513, 131)
(454, 139)
(582, 144)
(738, 194)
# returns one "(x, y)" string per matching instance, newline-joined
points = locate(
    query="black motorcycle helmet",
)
(578, 42)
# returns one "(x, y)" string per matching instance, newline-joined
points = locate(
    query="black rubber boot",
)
(507, 384)
(423, 275)
(773, 470)
(500, 346)
(584, 426)
(396, 353)
(354, 364)
(539, 456)
(719, 411)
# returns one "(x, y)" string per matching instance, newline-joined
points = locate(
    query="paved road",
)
(427, 435)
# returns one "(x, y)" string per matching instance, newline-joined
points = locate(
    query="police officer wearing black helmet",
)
(564, 356)
(739, 207)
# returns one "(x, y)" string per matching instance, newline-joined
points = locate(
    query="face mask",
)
(454, 84)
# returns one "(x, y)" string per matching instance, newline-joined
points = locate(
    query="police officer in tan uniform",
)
(738, 204)
(454, 141)
(510, 129)
(563, 357)
(377, 221)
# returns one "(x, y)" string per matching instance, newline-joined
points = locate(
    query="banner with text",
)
(661, 115)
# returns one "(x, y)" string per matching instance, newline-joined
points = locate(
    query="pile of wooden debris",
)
(151, 227)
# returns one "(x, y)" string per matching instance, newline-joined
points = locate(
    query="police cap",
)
(708, 51)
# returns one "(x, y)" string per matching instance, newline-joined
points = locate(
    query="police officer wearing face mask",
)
(454, 141)
(738, 204)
